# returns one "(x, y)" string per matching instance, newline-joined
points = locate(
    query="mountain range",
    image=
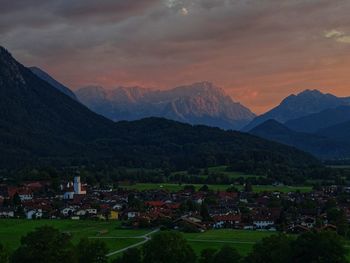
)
(41, 125)
(322, 145)
(198, 103)
(300, 105)
(311, 121)
(321, 120)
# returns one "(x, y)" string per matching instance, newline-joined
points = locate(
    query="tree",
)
(16, 200)
(92, 251)
(320, 247)
(4, 254)
(207, 255)
(204, 212)
(168, 247)
(132, 255)
(204, 188)
(274, 249)
(338, 218)
(227, 254)
(44, 245)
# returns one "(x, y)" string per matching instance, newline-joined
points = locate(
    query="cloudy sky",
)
(259, 51)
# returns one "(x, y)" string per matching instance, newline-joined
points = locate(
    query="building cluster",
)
(187, 209)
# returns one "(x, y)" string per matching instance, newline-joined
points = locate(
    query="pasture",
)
(116, 238)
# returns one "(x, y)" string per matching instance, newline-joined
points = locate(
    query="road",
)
(146, 238)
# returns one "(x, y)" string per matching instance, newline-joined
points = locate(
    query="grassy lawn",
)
(11, 231)
(242, 240)
(256, 188)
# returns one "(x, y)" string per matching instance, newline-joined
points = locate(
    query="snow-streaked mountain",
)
(300, 105)
(198, 103)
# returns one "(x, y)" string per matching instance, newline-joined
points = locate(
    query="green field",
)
(177, 187)
(223, 170)
(242, 240)
(116, 238)
(11, 231)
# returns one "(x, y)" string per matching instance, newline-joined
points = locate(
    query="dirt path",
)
(146, 238)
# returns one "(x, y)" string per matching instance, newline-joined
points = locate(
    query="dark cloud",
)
(259, 50)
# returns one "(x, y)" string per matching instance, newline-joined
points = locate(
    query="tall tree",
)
(274, 249)
(92, 251)
(168, 247)
(321, 247)
(45, 245)
(227, 254)
(4, 254)
(207, 255)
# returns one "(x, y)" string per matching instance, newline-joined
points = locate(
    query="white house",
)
(263, 223)
(25, 196)
(34, 213)
(68, 211)
(6, 213)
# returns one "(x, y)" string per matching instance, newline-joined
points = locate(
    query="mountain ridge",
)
(300, 105)
(198, 103)
(321, 120)
(319, 145)
(46, 77)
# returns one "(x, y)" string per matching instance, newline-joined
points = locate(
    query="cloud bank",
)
(258, 50)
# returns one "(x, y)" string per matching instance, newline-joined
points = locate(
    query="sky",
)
(259, 51)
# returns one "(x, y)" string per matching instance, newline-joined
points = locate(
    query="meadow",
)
(117, 238)
(174, 187)
(11, 231)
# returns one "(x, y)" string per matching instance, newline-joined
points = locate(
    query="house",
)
(191, 221)
(132, 214)
(6, 212)
(263, 222)
(113, 215)
(68, 211)
(34, 214)
(229, 220)
(308, 221)
(298, 229)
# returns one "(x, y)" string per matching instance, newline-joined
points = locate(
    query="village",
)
(188, 210)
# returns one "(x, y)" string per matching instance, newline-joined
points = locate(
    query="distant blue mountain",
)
(300, 105)
(317, 121)
(317, 144)
(339, 132)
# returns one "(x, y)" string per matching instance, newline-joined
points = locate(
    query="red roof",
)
(155, 203)
(11, 191)
(229, 195)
